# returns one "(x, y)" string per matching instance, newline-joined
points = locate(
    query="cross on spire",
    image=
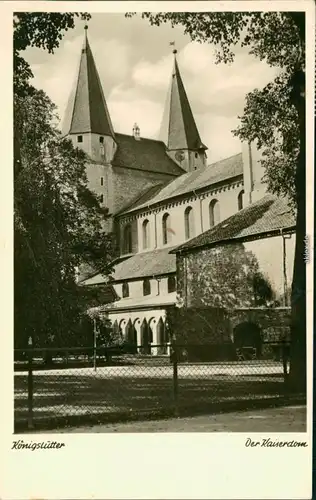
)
(174, 50)
(84, 48)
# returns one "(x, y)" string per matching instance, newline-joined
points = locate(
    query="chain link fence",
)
(69, 386)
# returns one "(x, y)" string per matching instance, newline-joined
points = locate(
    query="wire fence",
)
(56, 387)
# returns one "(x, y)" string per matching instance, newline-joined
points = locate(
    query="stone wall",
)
(237, 274)
(274, 323)
(129, 183)
(226, 195)
(210, 333)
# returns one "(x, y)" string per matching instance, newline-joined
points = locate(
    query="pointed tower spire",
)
(87, 112)
(184, 140)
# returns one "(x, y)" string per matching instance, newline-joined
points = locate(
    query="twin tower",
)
(88, 123)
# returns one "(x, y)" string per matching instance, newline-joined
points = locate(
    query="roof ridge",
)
(252, 227)
(137, 198)
(141, 138)
(188, 181)
(155, 262)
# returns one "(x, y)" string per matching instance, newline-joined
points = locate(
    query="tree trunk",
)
(297, 377)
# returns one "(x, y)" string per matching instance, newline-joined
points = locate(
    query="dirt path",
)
(286, 419)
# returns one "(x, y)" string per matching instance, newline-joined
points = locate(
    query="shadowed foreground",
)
(130, 392)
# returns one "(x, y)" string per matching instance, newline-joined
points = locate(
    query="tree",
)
(44, 30)
(57, 219)
(58, 225)
(274, 116)
(35, 29)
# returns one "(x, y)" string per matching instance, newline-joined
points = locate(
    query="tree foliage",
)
(274, 116)
(270, 116)
(44, 30)
(58, 221)
(270, 121)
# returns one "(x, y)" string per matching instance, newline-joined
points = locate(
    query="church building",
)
(168, 209)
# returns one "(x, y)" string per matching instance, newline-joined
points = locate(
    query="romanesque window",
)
(101, 198)
(101, 139)
(166, 233)
(125, 290)
(171, 284)
(146, 287)
(214, 213)
(240, 200)
(127, 239)
(146, 234)
(102, 180)
(189, 223)
(79, 138)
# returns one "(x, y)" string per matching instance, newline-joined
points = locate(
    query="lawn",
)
(133, 390)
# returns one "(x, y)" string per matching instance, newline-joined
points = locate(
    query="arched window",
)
(125, 290)
(146, 234)
(214, 213)
(240, 200)
(146, 287)
(171, 284)
(127, 239)
(189, 223)
(166, 229)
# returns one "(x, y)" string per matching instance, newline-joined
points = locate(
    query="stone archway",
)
(152, 323)
(146, 337)
(122, 324)
(247, 340)
(131, 335)
(162, 337)
(122, 328)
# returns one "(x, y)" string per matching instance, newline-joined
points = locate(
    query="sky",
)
(135, 61)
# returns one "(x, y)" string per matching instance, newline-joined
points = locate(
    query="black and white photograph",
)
(163, 223)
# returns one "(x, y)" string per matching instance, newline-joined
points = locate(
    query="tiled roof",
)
(84, 271)
(98, 296)
(144, 154)
(183, 132)
(198, 179)
(154, 263)
(96, 279)
(87, 110)
(265, 216)
(90, 276)
(142, 199)
(140, 265)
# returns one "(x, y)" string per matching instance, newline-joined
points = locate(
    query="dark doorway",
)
(146, 338)
(248, 341)
(162, 337)
(131, 336)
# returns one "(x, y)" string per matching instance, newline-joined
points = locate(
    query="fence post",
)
(95, 345)
(174, 354)
(30, 424)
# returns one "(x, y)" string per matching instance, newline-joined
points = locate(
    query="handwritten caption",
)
(36, 445)
(270, 443)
